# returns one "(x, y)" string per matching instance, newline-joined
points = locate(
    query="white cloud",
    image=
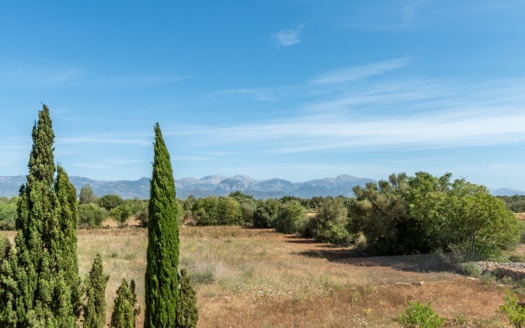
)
(323, 84)
(288, 37)
(361, 72)
(407, 115)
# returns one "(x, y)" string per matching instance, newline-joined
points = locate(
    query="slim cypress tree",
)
(161, 280)
(66, 241)
(95, 307)
(187, 312)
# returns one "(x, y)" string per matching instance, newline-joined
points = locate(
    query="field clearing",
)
(257, 278)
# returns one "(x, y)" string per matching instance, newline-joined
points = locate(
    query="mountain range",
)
(217, 185)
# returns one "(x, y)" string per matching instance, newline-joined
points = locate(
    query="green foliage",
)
(521, 225)
(290, 215)
(265, 213)
(381, 213)
(121, 213)
(95, 305)
(124, 309)
(187, 311)
(205, 211)
(45, 278)
(421, 214)
(109, 202)
(142, 215)
(161, 279)
(8, 284)
(90, 216)
(229, 211)
(64, 249)
(418, 315)
(470, 269)
(514, 311)
(514, 203)
(248, 205)
(330, 223)
(87, 196)
(217, 211)
(8, 213)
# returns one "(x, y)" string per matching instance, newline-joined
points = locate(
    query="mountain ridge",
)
(218, 185)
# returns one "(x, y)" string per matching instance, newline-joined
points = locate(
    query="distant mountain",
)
(506, 192)
(218, 185)
(215, 185)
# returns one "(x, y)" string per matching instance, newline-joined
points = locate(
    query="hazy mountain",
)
(506, 192)
(210, 185)
(218, 185)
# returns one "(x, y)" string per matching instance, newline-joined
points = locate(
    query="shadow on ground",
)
(353, 256)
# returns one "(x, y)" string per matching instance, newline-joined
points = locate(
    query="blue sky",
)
(298, 90)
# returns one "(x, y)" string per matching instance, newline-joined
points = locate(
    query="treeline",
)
(514, 203)
(401, 215)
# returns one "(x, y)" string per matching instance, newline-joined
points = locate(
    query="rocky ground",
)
(514, 270)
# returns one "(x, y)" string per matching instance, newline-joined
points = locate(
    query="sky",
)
(291, 89)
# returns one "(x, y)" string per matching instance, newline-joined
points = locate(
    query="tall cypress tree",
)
(46, 271)
(37, 226)
(161, 280)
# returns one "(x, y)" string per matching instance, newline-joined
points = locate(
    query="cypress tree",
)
(161, 280)
(124, 311)
(187, 312)
(66, 253)
(37, 227)
(8, 285)
(95, 307)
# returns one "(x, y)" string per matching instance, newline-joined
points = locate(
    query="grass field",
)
(257, 278)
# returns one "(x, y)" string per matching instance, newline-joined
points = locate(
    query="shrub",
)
(8, 213)
(289, 217)
(470, 269)
(187, 312)
(121, 213)
(514, 312)
(90, 216)
(418, 315)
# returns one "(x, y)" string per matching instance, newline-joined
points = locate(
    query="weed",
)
(514, 311)
(420, 315)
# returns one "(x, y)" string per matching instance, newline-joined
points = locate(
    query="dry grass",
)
(256, 278)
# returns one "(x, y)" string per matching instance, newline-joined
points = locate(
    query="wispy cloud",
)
(109, 140)
(37, 76)
(60, 76)
(418, 114)
(361, 72)
(322, 84)
(289, 37)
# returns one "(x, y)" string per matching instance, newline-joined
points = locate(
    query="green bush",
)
(265, 213)
(90, 216)
(121, 213)
(8, 213)
(514, 312)
(418, 315)
(470, 269)
(290, 218)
